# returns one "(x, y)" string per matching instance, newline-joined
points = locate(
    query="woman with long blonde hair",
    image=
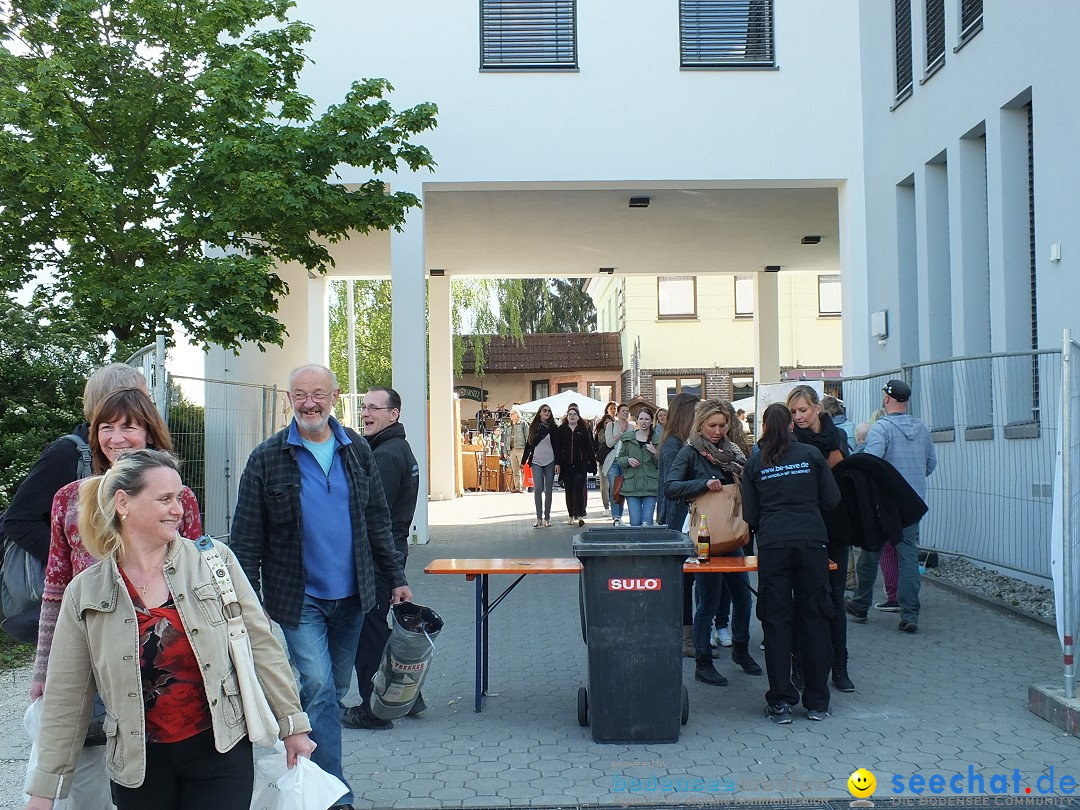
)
(708, 461)
(175, 723)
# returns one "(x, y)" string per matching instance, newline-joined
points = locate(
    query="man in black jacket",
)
(400, 476)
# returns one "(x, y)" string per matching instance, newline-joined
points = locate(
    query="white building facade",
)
(740, 121)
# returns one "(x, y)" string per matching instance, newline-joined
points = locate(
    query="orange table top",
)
(569, 565)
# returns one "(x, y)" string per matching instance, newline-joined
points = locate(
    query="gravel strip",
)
(1035, 601)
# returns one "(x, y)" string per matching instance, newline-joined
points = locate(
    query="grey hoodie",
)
(903, 441)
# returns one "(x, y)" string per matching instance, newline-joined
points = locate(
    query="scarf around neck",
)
(725, 455)
(828, 439)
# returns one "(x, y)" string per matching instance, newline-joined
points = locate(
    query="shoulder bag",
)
(262, 726)
(723, 512)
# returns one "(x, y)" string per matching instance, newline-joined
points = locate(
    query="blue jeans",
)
(709, 587)
(642, 508)
(323, 650)
(613, 473)
(543, 480)
(907, 591)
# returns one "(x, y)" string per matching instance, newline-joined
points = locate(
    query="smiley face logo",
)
(862, 783)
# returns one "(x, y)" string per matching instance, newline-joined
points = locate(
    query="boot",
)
(706, 672)
(688, 642)
(797, 679)
(840, 677)
(741, 656)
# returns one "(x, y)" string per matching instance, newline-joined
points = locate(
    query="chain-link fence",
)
(215, 425)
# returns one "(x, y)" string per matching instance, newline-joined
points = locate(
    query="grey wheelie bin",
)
(631, 619)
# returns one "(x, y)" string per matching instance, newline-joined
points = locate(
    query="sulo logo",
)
(649, 584)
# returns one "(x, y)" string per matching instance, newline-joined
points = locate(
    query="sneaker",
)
(817, 714)
(361, 717)
(858, 616)
(908, 627)
(606, 513)
(616, 522)
(538, 524)
(779, 714)
(891, 606)
(547, 524)
(581, 521)
(571, 521)
(723, 636)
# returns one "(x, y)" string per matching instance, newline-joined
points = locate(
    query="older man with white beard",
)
(311, 529)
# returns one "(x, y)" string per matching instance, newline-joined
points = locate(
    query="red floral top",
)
(68, 557)
(173, 693)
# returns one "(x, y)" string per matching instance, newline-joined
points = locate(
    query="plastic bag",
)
(305, 787)
(32, 724)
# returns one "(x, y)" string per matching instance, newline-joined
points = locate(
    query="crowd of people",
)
(143, 696)
(141, 707)
(810, 486)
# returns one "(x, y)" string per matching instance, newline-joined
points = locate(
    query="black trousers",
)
(373, 637)
(191, 775)
(794, 596)
(838, 553)
(575, 485)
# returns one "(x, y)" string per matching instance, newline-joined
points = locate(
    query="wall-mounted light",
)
(436, 272)
(772, 268)
(639, 202)
(811, 240)
(608, 270)
(1055, 252)
(879, 325)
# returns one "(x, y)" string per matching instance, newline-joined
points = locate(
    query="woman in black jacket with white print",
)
(578, 460)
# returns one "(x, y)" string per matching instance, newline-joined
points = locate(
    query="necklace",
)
(142, 588)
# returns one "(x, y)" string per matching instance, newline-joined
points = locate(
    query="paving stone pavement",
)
(951, 698)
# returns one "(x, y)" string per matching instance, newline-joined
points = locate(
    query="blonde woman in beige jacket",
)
(145, 628)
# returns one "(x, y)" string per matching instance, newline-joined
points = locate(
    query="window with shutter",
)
(828, 295)
(971, 19)
(528, 34)
(902, 40)
(676, 297)
(935, 35)
(726, 34)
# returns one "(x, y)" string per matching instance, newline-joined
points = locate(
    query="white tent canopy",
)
(588, 407)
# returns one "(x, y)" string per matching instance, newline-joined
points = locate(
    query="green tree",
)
(43, 368)
(374, 329)
(531, 305)
(157, 160)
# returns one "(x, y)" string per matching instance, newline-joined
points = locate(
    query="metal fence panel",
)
(994, 423)
(215, 425)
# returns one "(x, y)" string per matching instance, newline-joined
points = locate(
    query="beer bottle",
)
(703, 540)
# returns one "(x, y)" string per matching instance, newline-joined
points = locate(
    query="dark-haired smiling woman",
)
(785, 488)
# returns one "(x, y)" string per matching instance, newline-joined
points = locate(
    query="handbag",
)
(616, 491)
(262, 726)
(723, 510)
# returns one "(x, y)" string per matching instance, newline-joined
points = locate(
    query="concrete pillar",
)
(767, 328)
(851, 213)
(409, 348)
(441, 420)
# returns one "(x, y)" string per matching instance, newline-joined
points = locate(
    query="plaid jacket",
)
(267, 537)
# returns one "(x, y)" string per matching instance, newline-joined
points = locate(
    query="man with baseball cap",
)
(903, 441)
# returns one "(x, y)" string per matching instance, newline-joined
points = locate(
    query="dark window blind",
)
(971, 18)
(902, 38)
(528, 34)
(935, 34)
(726, 33)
